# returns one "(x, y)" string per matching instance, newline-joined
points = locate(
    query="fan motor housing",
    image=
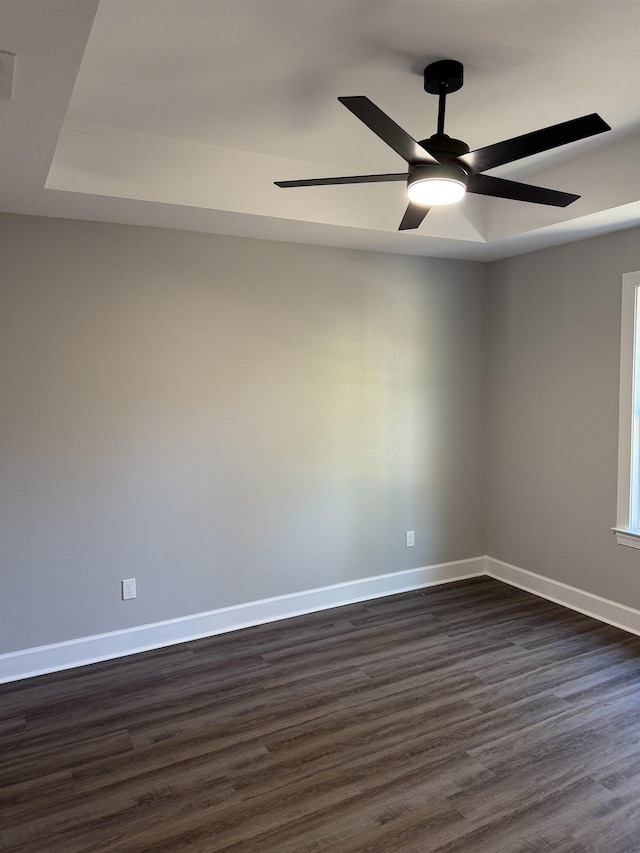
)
(444, 148)
(446, 171)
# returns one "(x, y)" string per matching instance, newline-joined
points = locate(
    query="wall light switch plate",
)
(410, 538)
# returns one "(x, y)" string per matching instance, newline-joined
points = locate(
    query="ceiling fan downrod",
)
(442, 78)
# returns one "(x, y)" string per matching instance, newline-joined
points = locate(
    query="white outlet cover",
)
(7, 61)
(128, 589)
(410, 538)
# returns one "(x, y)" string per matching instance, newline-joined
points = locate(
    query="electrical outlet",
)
(410, 539)
(128, 589)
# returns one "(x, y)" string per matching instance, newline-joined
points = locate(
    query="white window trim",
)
(627, 529)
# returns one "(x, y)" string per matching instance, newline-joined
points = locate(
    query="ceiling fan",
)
(442, 169)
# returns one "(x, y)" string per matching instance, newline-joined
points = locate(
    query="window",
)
(627, 527)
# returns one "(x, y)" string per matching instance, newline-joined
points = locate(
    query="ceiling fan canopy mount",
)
(446, 73)
(442, 169)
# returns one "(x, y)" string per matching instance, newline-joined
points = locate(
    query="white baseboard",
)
(618, 615)
(85, 650)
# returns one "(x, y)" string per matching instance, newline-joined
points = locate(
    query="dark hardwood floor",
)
(468, 718)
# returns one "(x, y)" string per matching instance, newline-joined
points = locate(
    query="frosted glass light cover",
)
(433, 191)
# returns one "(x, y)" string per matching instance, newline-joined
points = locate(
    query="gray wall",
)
(226, 420)
(552, 428)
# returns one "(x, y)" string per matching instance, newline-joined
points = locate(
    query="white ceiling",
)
(182, 113)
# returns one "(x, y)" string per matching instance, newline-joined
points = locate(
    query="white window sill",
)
(631, 538)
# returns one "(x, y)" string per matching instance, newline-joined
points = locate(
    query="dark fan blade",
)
(387, 129)
(413, 216)
(499, 188)
(532, 143)
(349, 179)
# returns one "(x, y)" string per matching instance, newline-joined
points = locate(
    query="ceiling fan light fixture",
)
(435, 191)
(430, 186)
(442, 169)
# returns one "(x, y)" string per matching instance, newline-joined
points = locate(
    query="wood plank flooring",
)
(467, 718)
